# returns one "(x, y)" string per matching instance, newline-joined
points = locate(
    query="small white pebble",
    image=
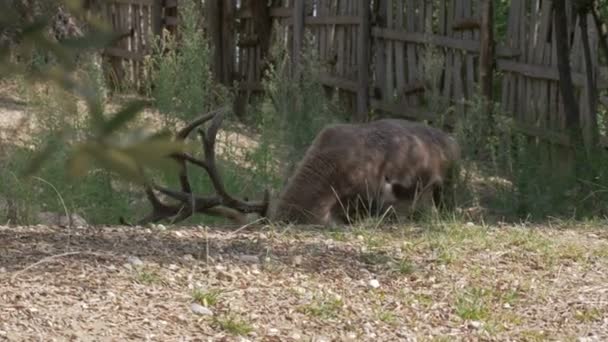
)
(470, 224)
(200, 310)
(374, 283)
(173, 267)
(161, 227)
(253, 259)
(475, 324)
(297, 260)
(506, 305)
(135, 261)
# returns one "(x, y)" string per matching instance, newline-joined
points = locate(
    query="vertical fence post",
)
(213, 20)
(486, 54)
(157, 17)
(298, 36)
(228, 34)
(363, 60)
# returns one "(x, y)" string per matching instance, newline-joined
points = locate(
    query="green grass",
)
(206, 298)
(234, 325)
(323, 308)
(472, 305)
(148, 276)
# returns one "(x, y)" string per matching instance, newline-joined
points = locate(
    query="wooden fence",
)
(138, 22)
(385, 55)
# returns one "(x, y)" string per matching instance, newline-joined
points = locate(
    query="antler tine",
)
(209, 139)
(222, 204)
(184, 132)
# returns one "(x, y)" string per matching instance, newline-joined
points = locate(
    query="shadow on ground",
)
(24, 246)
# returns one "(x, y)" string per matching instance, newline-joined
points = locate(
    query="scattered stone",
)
(475, 324)
(374, 283)
(161, 227)
(188, 257)
(2, 269)
(135, 261)
(273, 331)
(321, 339)
(200, 310)
(252, 259)
(351, 336)
(173, 267)
(470, 224)
(506, 306)
(297, 260)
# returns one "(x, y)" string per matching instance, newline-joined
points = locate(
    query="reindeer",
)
(380, 163)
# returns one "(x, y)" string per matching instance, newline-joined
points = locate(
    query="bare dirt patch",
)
(300, 284)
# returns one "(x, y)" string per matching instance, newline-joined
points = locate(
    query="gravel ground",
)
(266, 283)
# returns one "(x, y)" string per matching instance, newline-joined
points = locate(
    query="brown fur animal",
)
(378, 164)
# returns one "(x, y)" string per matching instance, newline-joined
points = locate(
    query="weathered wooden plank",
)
(537, 71)
(134, 2)
(168, 3)
(486, 58)
(341, 42)
(275, 12)
(449, 61)
(400, 76)
(298, 35)
(339, 82)
(390, 72)
(123, 53)
(457, 68)
(471, 46)
(412, 68)
(363, 61)
(523, 82)
(380, 54)
(403, 110)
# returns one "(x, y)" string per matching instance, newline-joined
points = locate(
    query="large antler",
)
(221, 204)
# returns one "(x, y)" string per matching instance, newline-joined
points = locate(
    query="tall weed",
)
(181, 82)
(293, 111)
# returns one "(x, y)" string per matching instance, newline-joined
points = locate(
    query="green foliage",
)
(472, 305)
(234, 325)
(293, 111)
(206, 298)
(181, 82)
(84, 196)
(102, 145)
